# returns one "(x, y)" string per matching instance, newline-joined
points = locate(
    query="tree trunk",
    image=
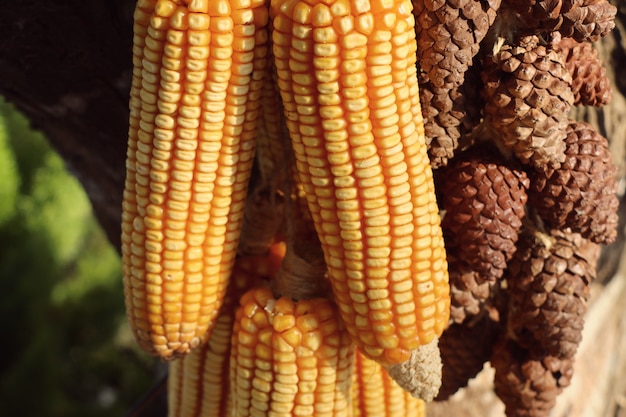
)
(67, 65)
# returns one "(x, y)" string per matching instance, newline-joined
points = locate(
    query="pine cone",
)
(549, 286)
(464, 350)
(484, 203)
(582, 193)
(470, 295)
(528, 386)
(583, 20)
(590, 84)
(587, 20)
(446, 119)
(448, 35)
(528, 95)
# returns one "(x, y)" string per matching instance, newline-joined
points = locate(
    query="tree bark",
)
(67, 65)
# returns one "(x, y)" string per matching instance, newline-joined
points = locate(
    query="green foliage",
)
(9, 178)
(29, 146)
(66, 350)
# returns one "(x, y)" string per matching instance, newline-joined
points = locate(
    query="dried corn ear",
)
(198, 70)
(347, 76)
(198, 383)
(289, 358)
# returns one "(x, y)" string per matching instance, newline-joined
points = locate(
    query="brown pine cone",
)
(583, 20)
(582, 193)
(470, 295)
(528, 94)
(465, 348)
(450, 115)
(445, 120)
(590, 84)
(590, 21)
(528, 386)
(549, 286)
(484, 202)
(448, 36)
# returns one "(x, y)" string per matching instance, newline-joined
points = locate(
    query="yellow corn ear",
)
(198, 71)
(198, 383)
(347, 77)
(289, 358)
(197, 386)
(376, 394)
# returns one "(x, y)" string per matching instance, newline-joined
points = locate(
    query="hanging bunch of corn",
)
(339, 83)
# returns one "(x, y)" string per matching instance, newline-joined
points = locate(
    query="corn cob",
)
(347, 76)
(198, 71)
(291, 355)
(198, 383)
(375, 394)
(289, 358)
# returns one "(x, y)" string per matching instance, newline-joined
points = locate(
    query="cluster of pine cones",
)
(527, 195)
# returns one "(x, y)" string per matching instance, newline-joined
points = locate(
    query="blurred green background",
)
(67, 349)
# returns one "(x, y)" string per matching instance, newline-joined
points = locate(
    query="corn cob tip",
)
(420, 375)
